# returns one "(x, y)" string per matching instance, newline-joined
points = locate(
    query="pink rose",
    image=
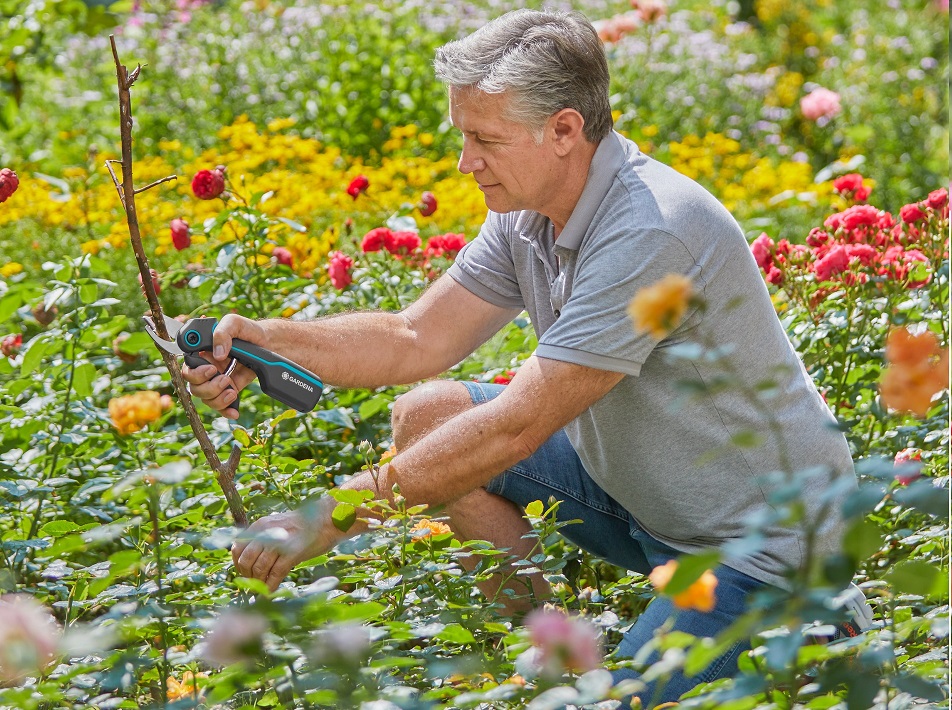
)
(209, 184)
(445, 245)
(938, 198)
(283, 256)
(835, 262)
(181, 234)
(377, 239)
(338, 268)
(235, 636)
(820, 104)
(565, 643)
(846, 184)
(911, 213)
(762, 249)
(910, 463)
(28, 638)
(863, 253)
(11, 345)
(9, 182)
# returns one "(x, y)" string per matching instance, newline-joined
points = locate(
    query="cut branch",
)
(225, 471)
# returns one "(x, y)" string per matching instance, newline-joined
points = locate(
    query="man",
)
(579, 220)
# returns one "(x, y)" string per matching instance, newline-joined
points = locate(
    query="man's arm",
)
(452, 460)
(369, 349)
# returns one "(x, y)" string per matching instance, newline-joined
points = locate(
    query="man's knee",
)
(424, 408)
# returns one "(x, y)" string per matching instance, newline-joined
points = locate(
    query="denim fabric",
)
(609, 531)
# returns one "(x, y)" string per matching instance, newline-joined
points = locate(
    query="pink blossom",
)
(283, 256)
(564, 642)
(338, 268)
(235, 636)
(820, 104)
(911, 213)
(650, 10)
(762, 248)
(938, 198)
(28, 638)
(910, 463)
(835, 262)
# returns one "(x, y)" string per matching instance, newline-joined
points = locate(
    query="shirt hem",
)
(472, 284)
(581, 357)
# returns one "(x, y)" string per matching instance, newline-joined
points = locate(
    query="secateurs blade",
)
(280, 379)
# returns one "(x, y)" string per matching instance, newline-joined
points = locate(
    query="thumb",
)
(230, 327)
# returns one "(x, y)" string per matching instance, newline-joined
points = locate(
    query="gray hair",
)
(546, 61)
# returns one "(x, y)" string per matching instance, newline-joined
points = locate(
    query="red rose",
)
(859, 215)
(357, 185)
(935, 200)
(11, 345)
(505, 378)
(863, 253)
(817, 236)
(427, 204)
(762, 249)
(404, 242)
(848, 183)
(910, 462)
(911, 213)
(181, 234)
(339, 268)
(209, 184)
(862, 194)
(283, 256)
(447, 245)
(155, 282)
(377, 239)
(774, 276)
(835, 262)
(9, 182)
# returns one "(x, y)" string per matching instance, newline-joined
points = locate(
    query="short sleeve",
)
(485, 266)
(594, 328)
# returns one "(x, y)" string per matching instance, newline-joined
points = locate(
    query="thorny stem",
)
(127, 192)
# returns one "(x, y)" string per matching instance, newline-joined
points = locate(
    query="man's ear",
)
(567, 127)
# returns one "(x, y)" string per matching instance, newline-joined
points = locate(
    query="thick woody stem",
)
(127, 192)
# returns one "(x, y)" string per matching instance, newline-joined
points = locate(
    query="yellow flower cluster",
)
(134, 411)
(787, 90)
(306, 179)
(736, 177)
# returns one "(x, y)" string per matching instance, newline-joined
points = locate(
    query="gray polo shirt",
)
(664, 441)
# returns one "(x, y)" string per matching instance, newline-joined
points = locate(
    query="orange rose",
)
(428, 528)
(134, 411)
(699, 596)
(918, 369)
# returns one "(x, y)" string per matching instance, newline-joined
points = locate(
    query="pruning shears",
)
(280, 379)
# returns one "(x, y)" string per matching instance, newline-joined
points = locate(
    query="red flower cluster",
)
(358, 185)
(399, 243)
(9, 182)
(851, 186)
(181, 234)
(505, 378)
(209, 184)
(338, 268)
(447, 245)
(860, 243)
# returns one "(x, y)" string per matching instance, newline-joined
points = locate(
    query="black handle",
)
(281, 379)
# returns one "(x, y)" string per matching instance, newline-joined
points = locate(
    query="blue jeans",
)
(610, 532)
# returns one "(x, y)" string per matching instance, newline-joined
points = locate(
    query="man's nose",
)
(469, 160)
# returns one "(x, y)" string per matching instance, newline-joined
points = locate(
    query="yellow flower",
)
(659, 309)
(427, 528)
(699, 596)
(185, 688)
(134, 411)
(10, 269)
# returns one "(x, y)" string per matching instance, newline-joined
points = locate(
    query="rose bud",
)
(209, 184)
(119, 352)
(11, 345)
(9, 182)
(155, 282)
(427, 204)
(43, 315)
(357, 185)
(283, 256)
(181, 234)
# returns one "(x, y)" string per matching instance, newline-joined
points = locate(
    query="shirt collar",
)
(607, 161)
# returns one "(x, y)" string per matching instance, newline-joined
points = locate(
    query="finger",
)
(261, 569)
(237, 547)
(278, 572)
(220, 393)
(246, 560)
(199, 375)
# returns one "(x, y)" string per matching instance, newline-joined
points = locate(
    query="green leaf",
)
(372, 406)
(83, 377)
(58, 528)
(454, 633)
(535, 509)
(344, 516)
(241, 436)
(913, 577)
(862, 539)
(349, 496)
(88, 292)
(34, 355)
(690, 568)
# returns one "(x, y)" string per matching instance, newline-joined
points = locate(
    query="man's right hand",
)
(208, 382)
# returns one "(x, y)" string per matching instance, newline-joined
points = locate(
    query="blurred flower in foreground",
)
(650, 10)
(505, 378)
(9, 182)
(658, 309)
(910, 461)
(283, 256)
(699, 596)
(917, 370)
(345, 643)
(11, 268)
(338, 268)
(132, 412)
(427, 528)
(358, 185)
(565, 643)
(209, 184)
(820, 104)
(235, 636)
(28, 638)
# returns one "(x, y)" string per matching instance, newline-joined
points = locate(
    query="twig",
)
(157, 182)
(127, 192)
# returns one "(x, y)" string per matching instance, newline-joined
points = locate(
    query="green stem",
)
(163, 626)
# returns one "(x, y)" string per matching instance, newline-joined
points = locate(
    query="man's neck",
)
(575, 174)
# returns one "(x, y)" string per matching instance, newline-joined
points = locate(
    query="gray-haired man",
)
(579, 220)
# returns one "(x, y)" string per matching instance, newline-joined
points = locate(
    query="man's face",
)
(512, 170)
